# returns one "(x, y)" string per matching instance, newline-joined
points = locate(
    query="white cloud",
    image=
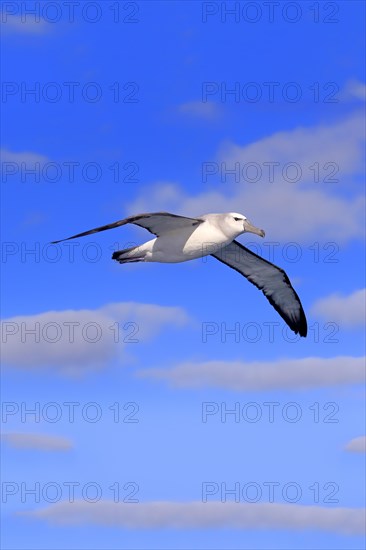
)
(354, 89)
(74, 341)
(198, 109)
(26, 157)
(340, 142)
(28, 24)
(17, 166)
(346, 310)
(199, 515)
(42, 442)
(287, 211)
(357, 445)
(309, 372)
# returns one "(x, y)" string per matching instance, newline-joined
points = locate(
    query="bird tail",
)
(128, 255)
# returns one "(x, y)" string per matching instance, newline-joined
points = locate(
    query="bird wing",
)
(157, 223)
(270, 279)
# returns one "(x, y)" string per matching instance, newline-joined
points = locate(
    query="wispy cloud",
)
(198, 109)
(354, 89)
(301, 210)
(41, 442)
(27, 157)
(341, 142)
(310, 372)
(198, 515)
(75, 341)
(26, 24)
(346, 310)
(357, 445)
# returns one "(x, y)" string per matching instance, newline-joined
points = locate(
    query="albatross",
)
(179, 239)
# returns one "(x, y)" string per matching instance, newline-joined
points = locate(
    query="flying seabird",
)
(179, 239)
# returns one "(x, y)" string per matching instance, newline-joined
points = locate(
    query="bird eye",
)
(237, 219)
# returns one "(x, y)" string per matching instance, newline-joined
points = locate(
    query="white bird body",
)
(188, 243)
(180, 239)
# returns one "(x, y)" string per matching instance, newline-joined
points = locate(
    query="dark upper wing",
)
(270, 279)
(156, 223)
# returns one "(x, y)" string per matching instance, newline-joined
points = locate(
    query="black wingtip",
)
(61, 240)
(303, 331)
(302, 325)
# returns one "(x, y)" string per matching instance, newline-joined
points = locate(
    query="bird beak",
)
(252, 229)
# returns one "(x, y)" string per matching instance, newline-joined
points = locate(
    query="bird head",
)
(240, 224)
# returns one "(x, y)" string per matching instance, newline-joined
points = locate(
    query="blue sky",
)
(178, 386)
